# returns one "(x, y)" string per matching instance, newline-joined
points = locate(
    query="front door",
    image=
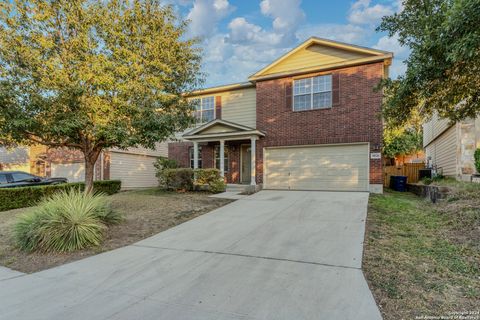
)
(246, 164)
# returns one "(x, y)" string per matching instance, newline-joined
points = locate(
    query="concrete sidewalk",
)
(6, 273)
(273, 255)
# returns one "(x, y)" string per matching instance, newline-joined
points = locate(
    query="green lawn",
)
(422, 258)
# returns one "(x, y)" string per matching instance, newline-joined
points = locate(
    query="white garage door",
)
(135, 171)
(74, 172)
(333, 167)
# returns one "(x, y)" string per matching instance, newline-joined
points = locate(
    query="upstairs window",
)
(204, 109)
(312, 93)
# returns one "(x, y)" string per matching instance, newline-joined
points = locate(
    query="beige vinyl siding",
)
(74, 172)
(161, 150)
(312, 56)
(238, 106)
(443, 152)
(332, 167)
(218, 129)
(134, 170)
(434, 128)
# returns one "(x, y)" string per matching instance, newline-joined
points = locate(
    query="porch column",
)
(253, 162)
(222, 158)
(195, 155)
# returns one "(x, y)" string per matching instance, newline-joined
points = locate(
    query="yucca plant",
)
(66, 221)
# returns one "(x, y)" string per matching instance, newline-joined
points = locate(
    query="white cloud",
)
(227, 62)
(286, 14)
(362, 13)
(391, 44)
(245, 47)
(205, 15)
(400, 54)
(339, 32)
(243, 32)
(217, 50)
(249, 46)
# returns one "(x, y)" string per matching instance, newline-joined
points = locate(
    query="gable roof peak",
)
(370, 53)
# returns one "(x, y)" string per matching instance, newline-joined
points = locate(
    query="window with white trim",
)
(225, 159)
(191, 154)
(204, 109)
(312, 93)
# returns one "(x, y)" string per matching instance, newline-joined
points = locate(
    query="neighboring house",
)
(308, 121)
(15, 159)
(133, 166)
(450, 146)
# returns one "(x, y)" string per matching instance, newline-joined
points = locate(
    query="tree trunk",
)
(90, 160)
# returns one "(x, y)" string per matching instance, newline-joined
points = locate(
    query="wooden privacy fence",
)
(410, 170)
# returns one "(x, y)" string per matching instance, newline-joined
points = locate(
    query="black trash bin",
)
(398, 183)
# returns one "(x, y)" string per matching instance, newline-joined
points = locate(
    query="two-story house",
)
(310, 120)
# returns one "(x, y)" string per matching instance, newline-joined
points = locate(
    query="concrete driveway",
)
(273, 255)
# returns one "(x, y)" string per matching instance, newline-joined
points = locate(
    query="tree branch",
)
(37, 139)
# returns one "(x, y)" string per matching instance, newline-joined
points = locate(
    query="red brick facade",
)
(354, 117)
(179, 152)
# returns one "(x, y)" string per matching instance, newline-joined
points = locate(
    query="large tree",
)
(91, 75)
(443, 69)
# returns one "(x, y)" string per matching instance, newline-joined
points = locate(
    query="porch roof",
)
(221, 130)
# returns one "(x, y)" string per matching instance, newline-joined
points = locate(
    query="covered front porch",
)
(227, 146)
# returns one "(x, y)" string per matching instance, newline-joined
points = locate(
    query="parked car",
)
(11, 179)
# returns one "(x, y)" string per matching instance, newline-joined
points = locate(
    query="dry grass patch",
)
(422, 259)
(145, 212)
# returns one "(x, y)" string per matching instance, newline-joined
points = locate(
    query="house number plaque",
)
(375, 155)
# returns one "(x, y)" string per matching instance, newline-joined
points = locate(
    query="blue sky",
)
(242, 36)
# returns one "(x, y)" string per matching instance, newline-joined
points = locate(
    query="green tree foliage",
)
(91, 75)
(443, 69)
(401, 141)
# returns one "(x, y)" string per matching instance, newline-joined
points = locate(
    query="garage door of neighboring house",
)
(74, 172)
(135, 170)
(332, 167)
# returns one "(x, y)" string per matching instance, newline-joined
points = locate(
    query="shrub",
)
(183, 179)
(66, 221)
(161, 165)
(178, 179)
(205, 176)
(217, 186)
(210, 177)
(108, 187)
(427, 181)
(476, 156)
(12, 198)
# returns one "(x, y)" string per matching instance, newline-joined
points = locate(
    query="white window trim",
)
(312, 93)
(198, 123)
